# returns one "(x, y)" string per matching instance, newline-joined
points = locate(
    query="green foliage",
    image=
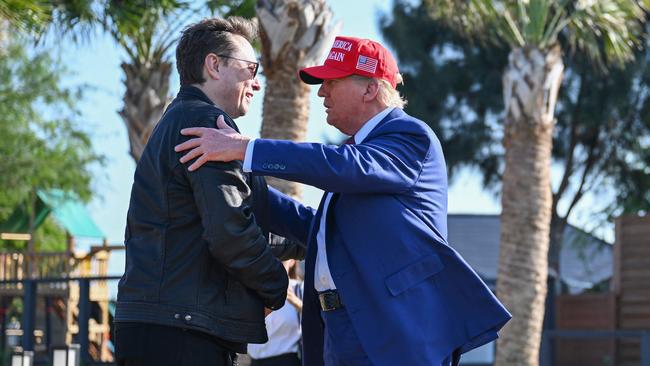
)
(15, 309)
(145, 29)
(607, 31)
(35, 17)
(603, 131)
(602, 135)
(42, 145)
(24, 14)
(452, 84)
(120, 17)
(49, 237)
(242, 8)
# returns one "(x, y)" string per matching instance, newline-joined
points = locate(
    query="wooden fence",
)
(631, 282)
(585, 312)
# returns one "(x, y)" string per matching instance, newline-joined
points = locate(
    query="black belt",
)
(330, 300)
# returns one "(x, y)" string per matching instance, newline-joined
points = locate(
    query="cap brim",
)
(316, 74)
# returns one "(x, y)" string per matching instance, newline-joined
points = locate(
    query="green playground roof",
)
(67, 210)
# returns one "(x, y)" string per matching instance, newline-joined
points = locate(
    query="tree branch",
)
(573, 142)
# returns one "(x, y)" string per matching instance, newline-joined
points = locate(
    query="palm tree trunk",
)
(288, 107)
(531, 83)
(556, 241)
(294, 34)
(145, 99)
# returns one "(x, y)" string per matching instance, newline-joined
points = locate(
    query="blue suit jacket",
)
(411, 298)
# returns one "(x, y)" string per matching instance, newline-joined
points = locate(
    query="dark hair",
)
(212, 35)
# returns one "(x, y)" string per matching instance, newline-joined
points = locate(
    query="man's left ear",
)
(372, 90)
(211, 66)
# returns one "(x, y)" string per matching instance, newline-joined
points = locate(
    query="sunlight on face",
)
(342, 98)
(239, 82)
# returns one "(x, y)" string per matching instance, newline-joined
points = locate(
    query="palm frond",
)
(67, 17)
(74, 17)
(226, 8)
(145, 30)
(537, 20)
(555, 26)
(516, 37)
(25, 15)
(607, 31)
(517, 23)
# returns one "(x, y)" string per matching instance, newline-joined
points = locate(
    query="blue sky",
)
(96, 64)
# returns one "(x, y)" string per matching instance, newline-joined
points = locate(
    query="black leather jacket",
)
(195, 254)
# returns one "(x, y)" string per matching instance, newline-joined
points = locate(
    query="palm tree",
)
(140, 27)
(24, 15)
(294, 34)
(146, 31)
(146, 35)
(34, 18)
(537, 32)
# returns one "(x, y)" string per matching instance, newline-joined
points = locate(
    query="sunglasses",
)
(257, 64)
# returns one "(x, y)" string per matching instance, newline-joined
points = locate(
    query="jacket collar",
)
(370, 125)
(192, 92)
(394, 114)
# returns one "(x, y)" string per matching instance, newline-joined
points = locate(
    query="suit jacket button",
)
(282, 167)
(177, 316)
(188, 318)
(276, 166)
(265, 165)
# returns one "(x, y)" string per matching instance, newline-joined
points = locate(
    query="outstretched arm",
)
(289, 217)
(390, 162)
(221, 144)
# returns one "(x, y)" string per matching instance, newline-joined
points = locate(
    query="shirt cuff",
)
(248, 157)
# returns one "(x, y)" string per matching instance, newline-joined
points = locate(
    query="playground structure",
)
(65, 295)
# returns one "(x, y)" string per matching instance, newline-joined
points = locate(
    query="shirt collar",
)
(370, 125)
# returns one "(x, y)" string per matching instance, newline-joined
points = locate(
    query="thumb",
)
(221, 123)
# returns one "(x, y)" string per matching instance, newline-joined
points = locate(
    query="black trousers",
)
(287, 359)
(139, 344)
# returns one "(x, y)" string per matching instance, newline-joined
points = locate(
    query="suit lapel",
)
(312, 245)
(311, 320)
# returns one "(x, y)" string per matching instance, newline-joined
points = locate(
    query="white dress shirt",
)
(283, 328)
(322, 277)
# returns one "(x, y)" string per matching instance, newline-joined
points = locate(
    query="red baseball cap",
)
(353, 56)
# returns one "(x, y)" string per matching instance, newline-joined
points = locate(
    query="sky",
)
(96, 65)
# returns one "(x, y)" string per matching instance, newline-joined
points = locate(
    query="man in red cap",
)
(382, 285)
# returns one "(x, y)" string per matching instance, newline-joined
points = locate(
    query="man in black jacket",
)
(200, 274)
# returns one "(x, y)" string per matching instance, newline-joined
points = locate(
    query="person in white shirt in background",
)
(283, 327)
